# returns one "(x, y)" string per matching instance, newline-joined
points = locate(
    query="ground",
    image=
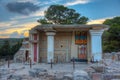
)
(107, 69)
(23, 68)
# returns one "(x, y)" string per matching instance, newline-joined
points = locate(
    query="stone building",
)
(22, 54)
(63, 42)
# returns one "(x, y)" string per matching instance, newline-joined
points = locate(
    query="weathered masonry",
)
(63, 42)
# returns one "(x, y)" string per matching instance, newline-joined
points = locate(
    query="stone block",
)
(68, 77)
(80, 75)
(96, 76)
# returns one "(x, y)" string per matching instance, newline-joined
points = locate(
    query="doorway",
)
(26, 55)
(81, 41)
(82, 52)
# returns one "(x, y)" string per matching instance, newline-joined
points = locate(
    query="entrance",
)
(26, 56)
(81, 41)
(82, 52)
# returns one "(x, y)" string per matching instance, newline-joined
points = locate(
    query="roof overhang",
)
(72, 27)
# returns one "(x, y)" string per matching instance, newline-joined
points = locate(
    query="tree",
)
(8, 49)
(5, 49)
(59, 14)
(111, 38)
(16, 47)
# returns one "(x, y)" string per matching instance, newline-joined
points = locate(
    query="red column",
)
(35, 48)
(35, 36)
(35, 52)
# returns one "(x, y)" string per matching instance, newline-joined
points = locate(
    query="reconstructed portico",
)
(63, 42)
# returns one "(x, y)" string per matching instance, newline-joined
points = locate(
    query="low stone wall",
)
(19, 56)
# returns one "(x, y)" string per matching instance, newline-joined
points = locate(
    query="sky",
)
(17, 17)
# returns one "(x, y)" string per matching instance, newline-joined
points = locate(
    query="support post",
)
(30, 63)
(8, 61)
(51, 64)
(50, 46)
(73, 63)
(96, 44)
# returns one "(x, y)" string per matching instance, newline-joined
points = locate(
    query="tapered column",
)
(34, 44)
(96, 44)
(50, 46)
(36, 47)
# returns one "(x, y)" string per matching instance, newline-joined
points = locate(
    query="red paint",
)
(35, 36)
(35, 52)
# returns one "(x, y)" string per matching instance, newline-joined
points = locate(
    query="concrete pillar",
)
(50, 46)
(96, 44)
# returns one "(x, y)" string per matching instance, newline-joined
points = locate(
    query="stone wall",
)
(62, 46)
(114, 55)
(20, 55)
(43, 47)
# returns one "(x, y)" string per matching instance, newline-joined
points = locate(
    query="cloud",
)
(14, 35)
(98, 21)
(2, 24)
(32, 1)
(24, 33)
(75, 2)
(4, 35)
(36, 14)
(24, 8)
(11, 29)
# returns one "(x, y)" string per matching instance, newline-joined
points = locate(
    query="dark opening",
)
(26, 55)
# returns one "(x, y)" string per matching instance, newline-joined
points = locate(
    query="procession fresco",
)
(81, 40)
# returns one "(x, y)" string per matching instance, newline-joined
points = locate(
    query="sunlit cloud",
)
(75, 2)
(98, 21)
(25, 30)
(20, 29)
(14, 35)
(4, 35)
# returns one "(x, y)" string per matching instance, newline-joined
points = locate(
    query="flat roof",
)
(69, 27)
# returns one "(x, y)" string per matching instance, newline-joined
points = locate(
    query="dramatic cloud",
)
(15, 29)
(24, 8)
(75, 2)
(16, 34)
(24, 33)
(36, 14)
